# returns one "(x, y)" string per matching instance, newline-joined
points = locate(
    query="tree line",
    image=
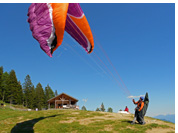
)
(26, 94)
(102, 108)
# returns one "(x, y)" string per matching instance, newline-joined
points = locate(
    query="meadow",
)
(75, 121)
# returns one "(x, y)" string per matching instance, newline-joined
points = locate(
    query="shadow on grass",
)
(27, 126)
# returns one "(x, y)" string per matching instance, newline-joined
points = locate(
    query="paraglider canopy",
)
(48, 21)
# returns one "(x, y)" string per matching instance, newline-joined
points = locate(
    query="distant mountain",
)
(170, 118)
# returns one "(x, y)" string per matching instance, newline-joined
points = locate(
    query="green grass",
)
(67, 121)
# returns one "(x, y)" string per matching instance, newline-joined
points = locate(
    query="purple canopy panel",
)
(41, 24)
(75, 10)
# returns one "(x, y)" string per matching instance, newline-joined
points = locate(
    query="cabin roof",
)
(61, 95)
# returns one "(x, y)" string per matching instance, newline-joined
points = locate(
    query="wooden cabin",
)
(63, 101)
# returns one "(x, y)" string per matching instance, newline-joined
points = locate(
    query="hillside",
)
(76, 121)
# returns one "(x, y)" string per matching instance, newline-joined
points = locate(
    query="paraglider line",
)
(111, 73)
(112, 66)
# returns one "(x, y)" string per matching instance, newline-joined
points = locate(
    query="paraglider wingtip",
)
(50, 55)
(90, 51)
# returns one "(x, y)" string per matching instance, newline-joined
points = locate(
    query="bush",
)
(97, 109)
(110, 109)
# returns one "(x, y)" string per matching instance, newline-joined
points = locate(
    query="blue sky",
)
(139, 39)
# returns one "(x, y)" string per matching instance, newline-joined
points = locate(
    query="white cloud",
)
(135, 96)
(85, 100)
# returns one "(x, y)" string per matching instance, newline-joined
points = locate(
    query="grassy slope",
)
(76, 121)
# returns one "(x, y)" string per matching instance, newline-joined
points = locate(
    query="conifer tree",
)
(31, 102)
(19, 94)
(102, 107)
(56, 93)
(51, 93)
(84, 108)
(12, 85)
(1, 89)
(40, 97)
(48, 94)
(28, 89)
(4, 86)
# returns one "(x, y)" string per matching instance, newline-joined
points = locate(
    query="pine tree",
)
(28, 89)
(102, 107)
(4, 86)
(12, 86)
(48, 95)
(56, 93)
(51, 93)
(19, 96)
(1, 89)
(31, 102)
(40, 97)
(84, 108)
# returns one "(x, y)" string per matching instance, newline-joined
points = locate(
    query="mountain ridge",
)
(168, 117)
